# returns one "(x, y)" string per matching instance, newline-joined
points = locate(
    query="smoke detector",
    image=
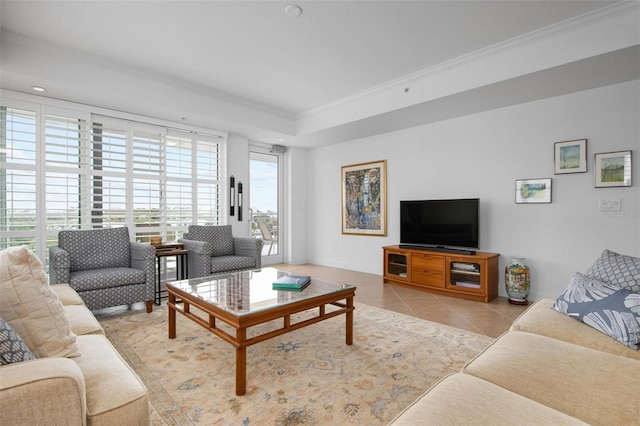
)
(293, 10)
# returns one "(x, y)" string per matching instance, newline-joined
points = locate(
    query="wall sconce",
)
(232, 195)
(240, 201)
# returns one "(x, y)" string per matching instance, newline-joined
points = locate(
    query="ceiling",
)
(248, 67)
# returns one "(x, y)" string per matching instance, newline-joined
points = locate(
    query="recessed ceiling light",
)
(280, 139)
(38, 89)
(293, 10)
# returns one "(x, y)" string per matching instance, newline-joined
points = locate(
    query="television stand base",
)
(441, 271)
(439, 248)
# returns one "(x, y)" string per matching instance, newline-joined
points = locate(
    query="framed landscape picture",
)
(364, 198)
(613, 169)
(570, 156)
(533, 191)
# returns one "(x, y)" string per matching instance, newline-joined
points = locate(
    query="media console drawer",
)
(427, 261)
(427, 277)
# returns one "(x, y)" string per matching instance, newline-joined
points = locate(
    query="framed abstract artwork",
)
(613, 169)
(570, 156)
(364, 198)
(533, 191)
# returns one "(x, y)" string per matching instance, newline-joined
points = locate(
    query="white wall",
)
(296, 206)
(481, 156)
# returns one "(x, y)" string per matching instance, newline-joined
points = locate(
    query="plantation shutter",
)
(67, 196)
(179, 181)
(210, 153)
(18, 180)
(109, 172)
(68, 169)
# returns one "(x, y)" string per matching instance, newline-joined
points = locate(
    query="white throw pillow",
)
(32, 309)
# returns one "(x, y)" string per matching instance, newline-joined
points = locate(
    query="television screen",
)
(440, 223)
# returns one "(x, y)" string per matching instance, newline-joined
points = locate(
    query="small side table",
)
(182, 268)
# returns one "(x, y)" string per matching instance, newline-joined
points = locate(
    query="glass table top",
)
(245, 292)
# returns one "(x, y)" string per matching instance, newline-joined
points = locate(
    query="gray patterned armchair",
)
(104, 267)
(214, 250)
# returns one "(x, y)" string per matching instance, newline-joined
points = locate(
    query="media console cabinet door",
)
(397, 265)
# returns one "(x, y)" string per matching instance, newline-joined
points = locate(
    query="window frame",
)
(42, 235)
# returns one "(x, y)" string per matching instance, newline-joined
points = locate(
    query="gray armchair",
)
(214, 250)
(104, 267)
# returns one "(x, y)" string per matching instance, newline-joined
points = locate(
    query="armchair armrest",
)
(250, 247)
(197, 247)
(199, 257)
(45, 389)
(143, 257)
(59, 265)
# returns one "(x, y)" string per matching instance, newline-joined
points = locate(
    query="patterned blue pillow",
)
(12, 348)
(618, 269)
(605, 307)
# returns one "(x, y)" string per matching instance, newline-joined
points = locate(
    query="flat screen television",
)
(451, 225)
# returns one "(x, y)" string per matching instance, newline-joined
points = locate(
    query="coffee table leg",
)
(241, 362)
(172, 316)
(349, 330)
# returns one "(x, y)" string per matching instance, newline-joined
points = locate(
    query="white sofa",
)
(547, 369)
(77, 378)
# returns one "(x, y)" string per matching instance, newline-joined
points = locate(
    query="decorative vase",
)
(517, 281)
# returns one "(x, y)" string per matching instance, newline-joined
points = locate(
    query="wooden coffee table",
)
(245, 299)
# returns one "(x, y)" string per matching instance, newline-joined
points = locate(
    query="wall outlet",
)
(609, 205)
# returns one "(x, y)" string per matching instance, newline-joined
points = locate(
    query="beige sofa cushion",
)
(43, 391)
(593, 386)
(80, 317)
(462, 399)
(82, 320)
(67, 295)
(539, 318)
(29, 305)
(115, 394)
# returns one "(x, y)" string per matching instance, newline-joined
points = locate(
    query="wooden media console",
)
(473, 277)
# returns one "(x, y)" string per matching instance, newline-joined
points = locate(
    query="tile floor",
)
(491, 319)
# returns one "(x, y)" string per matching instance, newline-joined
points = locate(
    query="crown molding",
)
(336, 113)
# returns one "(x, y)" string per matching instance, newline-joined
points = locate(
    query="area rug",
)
(308, 376)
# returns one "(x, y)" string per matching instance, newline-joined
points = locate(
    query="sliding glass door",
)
(265, 203)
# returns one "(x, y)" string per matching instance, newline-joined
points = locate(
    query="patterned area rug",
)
(308, 376)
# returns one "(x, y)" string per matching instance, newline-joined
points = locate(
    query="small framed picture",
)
(570, 156)
(613, 169)
(533, 191)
